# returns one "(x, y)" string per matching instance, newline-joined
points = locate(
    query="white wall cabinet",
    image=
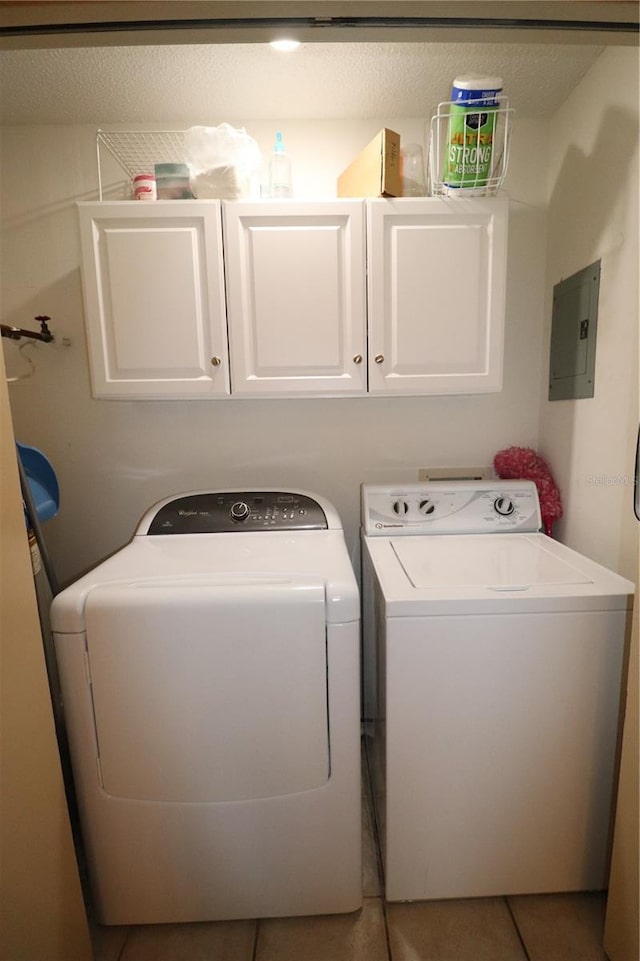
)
(436, 283)
(154, 299)
(296, 319)
(296, 290)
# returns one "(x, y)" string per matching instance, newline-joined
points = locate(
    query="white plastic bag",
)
(223, 162)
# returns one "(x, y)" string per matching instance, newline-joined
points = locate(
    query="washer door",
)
(209, 691)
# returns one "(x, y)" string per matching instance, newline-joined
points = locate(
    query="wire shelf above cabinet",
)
(137, 151)
(464, 159)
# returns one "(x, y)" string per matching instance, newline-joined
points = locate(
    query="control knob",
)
(240, 511)
(426, 507)
(400, 508)
(504, 506)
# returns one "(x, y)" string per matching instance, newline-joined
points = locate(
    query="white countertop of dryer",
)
(222, 561)
(490, 573)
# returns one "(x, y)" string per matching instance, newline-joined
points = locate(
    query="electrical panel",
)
(573, 335)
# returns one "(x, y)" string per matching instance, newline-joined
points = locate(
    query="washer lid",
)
(503, 573)
(503, 562)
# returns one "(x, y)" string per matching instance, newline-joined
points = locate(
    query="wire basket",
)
(469, 149)
(137, 151)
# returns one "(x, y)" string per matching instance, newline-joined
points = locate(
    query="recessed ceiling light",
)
(285, 45)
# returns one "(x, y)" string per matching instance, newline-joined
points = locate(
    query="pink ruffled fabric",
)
(522, 463)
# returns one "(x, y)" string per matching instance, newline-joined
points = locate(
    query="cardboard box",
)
(376, 170)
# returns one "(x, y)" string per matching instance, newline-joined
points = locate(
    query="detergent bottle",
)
(280, 170)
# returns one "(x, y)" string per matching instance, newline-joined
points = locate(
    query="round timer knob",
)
(504, 506)
(426, 507)
(240, 511)
(400, 508)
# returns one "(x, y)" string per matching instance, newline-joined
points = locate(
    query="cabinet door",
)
(154, 299)
(436, 295)
(295, 275)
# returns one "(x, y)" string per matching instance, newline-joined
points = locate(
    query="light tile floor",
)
(566, 927)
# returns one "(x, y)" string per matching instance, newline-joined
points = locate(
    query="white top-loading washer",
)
(471, 556)
(493, 658)
(210, 677)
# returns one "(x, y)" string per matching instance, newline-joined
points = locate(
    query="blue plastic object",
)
(42, 481)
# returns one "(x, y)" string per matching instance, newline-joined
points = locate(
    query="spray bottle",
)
(280, 170)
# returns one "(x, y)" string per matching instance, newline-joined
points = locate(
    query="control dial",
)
(240, 511)
(400, 508)
(504, 506)
(426, 507)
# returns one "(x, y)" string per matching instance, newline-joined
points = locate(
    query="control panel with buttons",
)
(221, 512)
(451, 507)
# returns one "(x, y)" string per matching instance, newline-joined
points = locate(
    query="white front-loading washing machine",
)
(493, 669)
(210, 679)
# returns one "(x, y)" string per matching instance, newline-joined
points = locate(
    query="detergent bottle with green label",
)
(468, 162)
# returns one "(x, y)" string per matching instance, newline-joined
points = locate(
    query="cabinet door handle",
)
(357, 359)
(379, 358)
(215, 361)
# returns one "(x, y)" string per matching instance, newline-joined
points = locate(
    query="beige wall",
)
(593, 214)
(41, 911)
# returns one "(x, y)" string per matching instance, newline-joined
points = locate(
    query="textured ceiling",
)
(211, 83)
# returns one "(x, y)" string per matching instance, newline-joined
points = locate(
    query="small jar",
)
(173, 182)
(144, 187)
